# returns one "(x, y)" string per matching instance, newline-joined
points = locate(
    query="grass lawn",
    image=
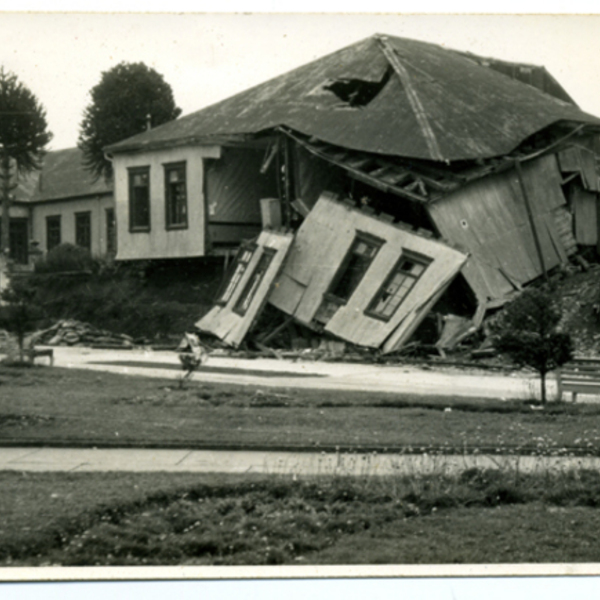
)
(177, 519)
(79, 407)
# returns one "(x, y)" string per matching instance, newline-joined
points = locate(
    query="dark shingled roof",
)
(382, 95)
(62, 176)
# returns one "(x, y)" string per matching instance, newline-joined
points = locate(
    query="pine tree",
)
(23, 137)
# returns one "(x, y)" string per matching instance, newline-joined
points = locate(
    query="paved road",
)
(314, 375)
(300, 463)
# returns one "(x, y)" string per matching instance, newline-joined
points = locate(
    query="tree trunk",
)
(5, 179)
(543, 383)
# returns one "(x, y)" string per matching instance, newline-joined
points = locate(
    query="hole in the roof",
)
(357, 93)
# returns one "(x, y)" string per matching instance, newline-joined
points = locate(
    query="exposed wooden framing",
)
(265, 339)
(288, 183)
(207, 238)
(534, 230)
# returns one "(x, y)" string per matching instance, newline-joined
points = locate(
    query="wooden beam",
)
(534, 230)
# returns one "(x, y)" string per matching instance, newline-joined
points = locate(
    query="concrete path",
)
(314, 375)
(300, 463)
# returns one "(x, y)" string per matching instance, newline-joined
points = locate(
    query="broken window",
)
(244, 256)
(139, 199)
(175, 196)
(397, 286)
(361, 255)
(246, 297)
(357, 262)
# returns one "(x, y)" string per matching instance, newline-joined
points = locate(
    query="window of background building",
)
(53, 232)
(83, 230)
(175, 196)
(111, 231)
(139, 199)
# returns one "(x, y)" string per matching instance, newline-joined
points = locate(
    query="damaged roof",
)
(384, 95)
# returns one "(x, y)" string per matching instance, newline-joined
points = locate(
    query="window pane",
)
(139, 200)
(397, 286)
(111, 231)
(175, 196)
(53, 233)
(83, 230)
(357, 264)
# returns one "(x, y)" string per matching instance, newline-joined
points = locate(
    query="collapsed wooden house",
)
(390, 177)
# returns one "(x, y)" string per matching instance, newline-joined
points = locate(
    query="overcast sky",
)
(208, 57)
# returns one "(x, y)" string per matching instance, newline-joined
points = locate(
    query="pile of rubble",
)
(76, 333)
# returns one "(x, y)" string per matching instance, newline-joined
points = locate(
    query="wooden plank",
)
(589, 170)
(586, 217)
(569, 160)
(488, 217)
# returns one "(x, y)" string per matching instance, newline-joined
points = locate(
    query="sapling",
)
(18, 315)
(527, 331)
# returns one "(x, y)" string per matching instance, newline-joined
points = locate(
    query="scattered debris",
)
(191, 355)
(77, 333)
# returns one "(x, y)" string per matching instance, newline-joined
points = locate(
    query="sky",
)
(209, 56)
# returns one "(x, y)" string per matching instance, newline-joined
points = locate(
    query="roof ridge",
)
(392, 57)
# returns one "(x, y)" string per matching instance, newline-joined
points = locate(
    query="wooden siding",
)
(321, 245)
(563, 220)
(585, 209)
(488, 217)
(228, 325)
(160, 242)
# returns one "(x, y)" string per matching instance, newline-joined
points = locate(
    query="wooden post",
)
(288, 182)
(534, 231)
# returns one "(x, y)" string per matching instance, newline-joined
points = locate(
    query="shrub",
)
(66, 258)
(18, 315)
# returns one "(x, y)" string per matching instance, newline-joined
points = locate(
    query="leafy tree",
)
(527, 332)
(18, 314)
(127, 96)
(23, 136)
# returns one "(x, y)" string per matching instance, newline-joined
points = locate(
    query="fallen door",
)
(245, 290)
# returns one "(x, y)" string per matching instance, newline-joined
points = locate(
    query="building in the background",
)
(69, 206)
(61, 203)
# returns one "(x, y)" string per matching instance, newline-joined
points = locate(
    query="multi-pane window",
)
(175, 196)
(357, 262)
(246, 297)
(111, 231)
(83, 230)
(18, 240)
(244, 256)
(397, 285)
(139, 199)
(53, 232)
